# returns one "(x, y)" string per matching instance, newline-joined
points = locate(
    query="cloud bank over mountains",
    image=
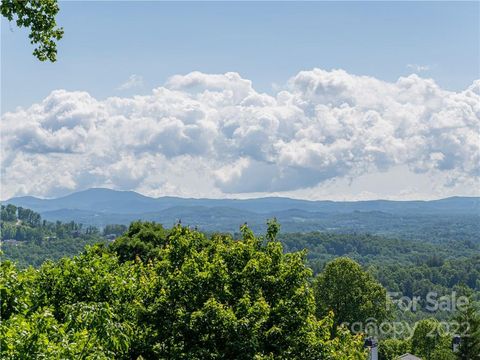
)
(215, 135)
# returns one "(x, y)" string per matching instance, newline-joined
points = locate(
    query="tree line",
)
(157, 293)
(29, 240)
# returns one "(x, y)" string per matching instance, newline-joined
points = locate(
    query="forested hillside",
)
(158, 293)
(29, 240)
(412, 268)
(433, 221)
(165, 293)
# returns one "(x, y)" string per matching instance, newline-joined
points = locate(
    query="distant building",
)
(372, 345)
(110, 237)
(408, 357)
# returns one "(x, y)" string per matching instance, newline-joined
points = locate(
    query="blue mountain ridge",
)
(102, 200)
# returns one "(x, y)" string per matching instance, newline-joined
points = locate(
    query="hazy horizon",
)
(234, 198)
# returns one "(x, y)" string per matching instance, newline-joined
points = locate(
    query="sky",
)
(312, 100)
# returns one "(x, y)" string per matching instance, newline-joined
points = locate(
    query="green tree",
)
(389, 349)
(39, 16)
(351, 293)
(29, 217)
(273, 228)
(15, 289)
(430, 341)
(192, 297)
(141, 240)
(220, 298)
(468, 319)
(443, 352)
(9, 231)
(115, 229)
(9, 213)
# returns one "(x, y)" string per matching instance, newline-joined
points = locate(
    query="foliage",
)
(352, 294)
(39, 17)
(141, 240)
(9, 213)
(166, 293)
(469, 320)
(15, 289)
(114, 229)
(390, 349)
(273, 228)
(430, 341)
(28, 240)
(407, 267)
(190, 297)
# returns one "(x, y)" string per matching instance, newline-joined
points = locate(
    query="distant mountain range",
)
(129, 202)
(104, 206)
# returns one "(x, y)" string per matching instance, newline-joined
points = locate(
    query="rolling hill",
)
(129, 202)
(406, 218)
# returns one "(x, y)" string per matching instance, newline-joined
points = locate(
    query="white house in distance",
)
(408, 357)
(372, 345)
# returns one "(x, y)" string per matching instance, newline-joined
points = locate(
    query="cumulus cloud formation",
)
(217, 135)
(134, 81)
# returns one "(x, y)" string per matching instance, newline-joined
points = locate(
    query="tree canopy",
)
(469, 320)
(40, 17)
(177, 293)
(193, 297)
(352, 294)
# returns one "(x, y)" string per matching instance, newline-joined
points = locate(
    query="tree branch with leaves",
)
(40, 17)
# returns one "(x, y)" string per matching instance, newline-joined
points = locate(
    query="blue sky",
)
(315, 100)
(106, 42)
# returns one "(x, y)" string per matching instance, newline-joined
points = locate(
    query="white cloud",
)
(134, 81)
(418, 68)
(212, 135)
